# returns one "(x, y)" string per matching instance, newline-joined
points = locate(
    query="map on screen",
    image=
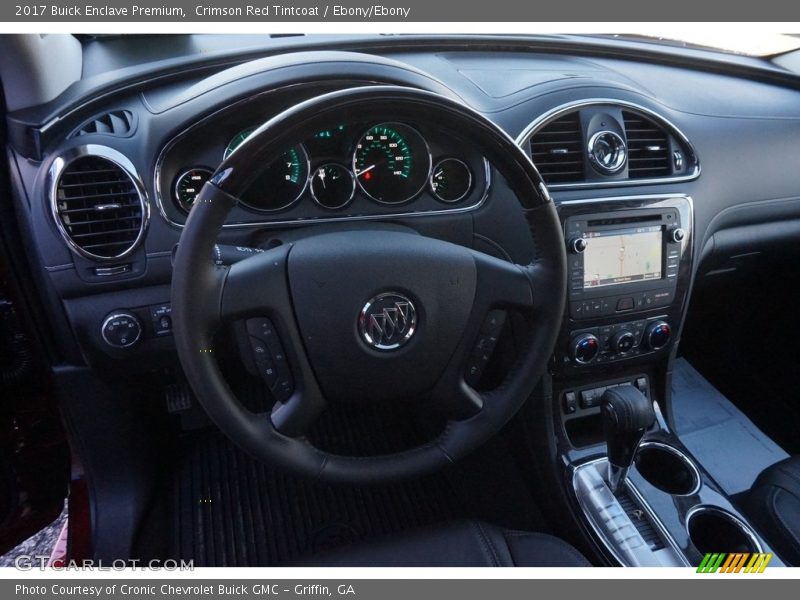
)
(613, 257)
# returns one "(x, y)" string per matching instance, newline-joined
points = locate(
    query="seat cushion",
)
(456, 544)
(773, 506)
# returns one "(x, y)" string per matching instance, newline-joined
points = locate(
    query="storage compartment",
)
(667, 468)
(712, 529)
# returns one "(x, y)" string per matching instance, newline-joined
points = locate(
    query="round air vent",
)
(97, 203)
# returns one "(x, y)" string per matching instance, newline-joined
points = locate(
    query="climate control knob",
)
(622, 341)
(584, 348)
(657, 335)
(121, 329)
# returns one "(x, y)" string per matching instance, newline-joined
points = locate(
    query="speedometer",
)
(392, 163)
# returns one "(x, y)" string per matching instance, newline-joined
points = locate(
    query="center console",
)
(630, 265)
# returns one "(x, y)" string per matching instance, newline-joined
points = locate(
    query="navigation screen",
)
(622, 256)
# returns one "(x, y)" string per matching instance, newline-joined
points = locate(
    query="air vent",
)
(557, 150)
(118, 123)
(648, 147)
(98, 207)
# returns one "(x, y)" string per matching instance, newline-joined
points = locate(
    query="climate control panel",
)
(609, 343)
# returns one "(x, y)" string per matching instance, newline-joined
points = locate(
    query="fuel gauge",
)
(451, 180)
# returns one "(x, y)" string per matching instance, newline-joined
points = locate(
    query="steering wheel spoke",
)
(256, 289)
(502, 284)
(255, 286)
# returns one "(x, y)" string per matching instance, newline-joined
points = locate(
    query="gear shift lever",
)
(626, 415)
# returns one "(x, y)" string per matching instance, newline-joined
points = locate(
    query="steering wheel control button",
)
(607, 152)
(121, 330)
(584, 348)
(657, 335)
(269, 358)
(484, 346)
(387, 322)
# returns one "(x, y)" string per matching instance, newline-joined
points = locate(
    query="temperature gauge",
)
(188, 186)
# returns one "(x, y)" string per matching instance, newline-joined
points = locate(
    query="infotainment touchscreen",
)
(622, 256)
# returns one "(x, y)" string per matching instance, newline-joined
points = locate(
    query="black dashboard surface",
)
(743, 131)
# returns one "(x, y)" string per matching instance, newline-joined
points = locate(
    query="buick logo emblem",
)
(387, 321)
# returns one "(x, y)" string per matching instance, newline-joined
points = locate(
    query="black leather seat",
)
(456, 544)
(773, 506)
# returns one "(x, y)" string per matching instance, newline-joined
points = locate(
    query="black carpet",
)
(230, 510)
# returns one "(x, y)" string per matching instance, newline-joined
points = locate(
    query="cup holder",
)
(667, 468)
(712, 529)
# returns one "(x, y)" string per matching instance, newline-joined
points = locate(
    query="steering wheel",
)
(385, 315)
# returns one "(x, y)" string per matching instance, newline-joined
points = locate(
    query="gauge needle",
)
(321, 175)
(369, 168)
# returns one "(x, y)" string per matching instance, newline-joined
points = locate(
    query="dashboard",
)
(105, 180)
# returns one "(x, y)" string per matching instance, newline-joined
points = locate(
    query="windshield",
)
(763, 44)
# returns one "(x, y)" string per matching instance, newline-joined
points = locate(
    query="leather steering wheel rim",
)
(205, 295)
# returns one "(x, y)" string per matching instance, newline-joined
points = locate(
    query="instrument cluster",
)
(346, 170)
(388, 164)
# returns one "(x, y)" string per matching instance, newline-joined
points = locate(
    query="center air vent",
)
(601, 142)
(648, 147)
(557, 150)
(98, 206)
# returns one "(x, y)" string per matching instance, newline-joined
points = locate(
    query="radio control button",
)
(577, 245)
(676, 235)
(625, 304)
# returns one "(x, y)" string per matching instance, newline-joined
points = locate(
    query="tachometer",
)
(281, 183)
(236, 141)
(392, 163)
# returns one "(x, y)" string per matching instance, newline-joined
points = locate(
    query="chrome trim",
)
(469, 183)
(698, 482)
(368, 323)
(601, 537)
(621, 151)
(657, 522)
(748, 531)
(552, 114)
(352, 185)
(64, 160)
(159, 201)
(113, 316)
(389, 124)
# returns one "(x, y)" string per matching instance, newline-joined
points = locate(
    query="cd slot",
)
(624, 220)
